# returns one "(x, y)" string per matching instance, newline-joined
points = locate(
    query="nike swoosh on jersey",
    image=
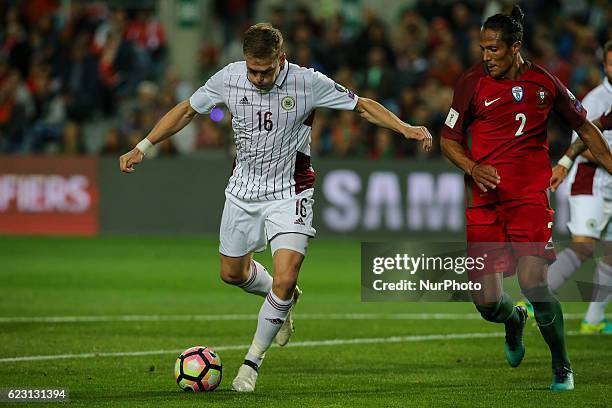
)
(488, 103)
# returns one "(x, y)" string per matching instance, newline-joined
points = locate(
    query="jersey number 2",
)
(267, 122)
(523, 119)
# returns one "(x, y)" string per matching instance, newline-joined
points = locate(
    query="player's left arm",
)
(378, 115)
(328, 94)
(591, 145)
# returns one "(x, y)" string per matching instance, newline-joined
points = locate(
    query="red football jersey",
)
(503, 123)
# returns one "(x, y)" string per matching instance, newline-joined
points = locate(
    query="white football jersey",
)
(271, 129)
(587, 178)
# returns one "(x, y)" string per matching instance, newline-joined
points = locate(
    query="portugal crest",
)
(542, 95)
(517, 93)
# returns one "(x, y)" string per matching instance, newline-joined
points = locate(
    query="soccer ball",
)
(198, 369)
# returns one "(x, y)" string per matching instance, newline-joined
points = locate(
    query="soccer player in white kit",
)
(590, 206)
(269, 194)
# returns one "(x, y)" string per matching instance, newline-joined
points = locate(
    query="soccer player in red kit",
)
(496, 133)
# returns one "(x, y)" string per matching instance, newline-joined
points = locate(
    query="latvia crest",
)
(517, 93)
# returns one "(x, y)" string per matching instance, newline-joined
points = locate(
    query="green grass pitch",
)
(154, 279)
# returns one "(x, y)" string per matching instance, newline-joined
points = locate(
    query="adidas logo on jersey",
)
(299, 221)
(244, 101)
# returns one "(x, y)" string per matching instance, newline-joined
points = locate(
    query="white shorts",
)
(248, 226)
(590, 216)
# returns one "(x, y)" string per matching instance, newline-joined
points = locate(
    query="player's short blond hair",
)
(262, 40)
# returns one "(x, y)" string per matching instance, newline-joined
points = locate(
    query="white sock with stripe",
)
(259, 281)
(596, 310)
(563, 268)
(272, 315)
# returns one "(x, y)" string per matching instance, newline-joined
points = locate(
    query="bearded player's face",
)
(496, 54)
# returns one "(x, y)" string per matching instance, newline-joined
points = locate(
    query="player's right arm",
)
(484, 175)
(202, 101)
(459, 117)
(173, 121)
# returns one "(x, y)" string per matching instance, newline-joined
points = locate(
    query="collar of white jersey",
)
(282, 75)
(607, 84)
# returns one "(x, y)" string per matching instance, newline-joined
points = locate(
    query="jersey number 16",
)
(267, 121)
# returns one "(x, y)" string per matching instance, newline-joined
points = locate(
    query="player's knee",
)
(284, 285)
(584, 250)
(232, 276)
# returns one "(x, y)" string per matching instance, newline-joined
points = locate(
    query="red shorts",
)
(508, 230)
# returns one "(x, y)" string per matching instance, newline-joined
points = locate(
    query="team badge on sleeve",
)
(517, 93)
(451, 118)
(574, 100)
(342, 89)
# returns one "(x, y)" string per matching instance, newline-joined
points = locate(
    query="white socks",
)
(259, 281)
(562, 269)
(272, 315)
(603, 277)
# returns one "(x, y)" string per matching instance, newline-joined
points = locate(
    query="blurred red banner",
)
(48, 195)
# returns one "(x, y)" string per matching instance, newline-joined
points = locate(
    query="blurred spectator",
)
(149, 37)
(444, 66)
(72, 139)
(15, 45)
(379, 75)
(13, 118)
(383, 147)
(113, 142)
(346, 136)
(334, 51)
(547, 56)
(373, 35)
(49, 111)
(118, 70)
(208, 133)
(80, 80)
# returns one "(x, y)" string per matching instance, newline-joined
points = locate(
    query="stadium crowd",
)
(95, 80)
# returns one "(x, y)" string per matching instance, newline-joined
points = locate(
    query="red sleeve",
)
(567, 105)
(460, 113)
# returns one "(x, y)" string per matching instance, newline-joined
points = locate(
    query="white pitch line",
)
(311, 343)
(245, 317)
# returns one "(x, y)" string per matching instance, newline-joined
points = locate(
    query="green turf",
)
(179, 276)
